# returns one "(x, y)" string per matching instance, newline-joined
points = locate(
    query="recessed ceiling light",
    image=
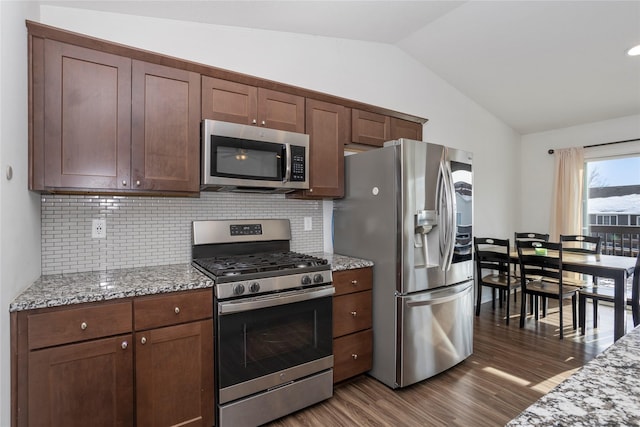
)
(634, 51)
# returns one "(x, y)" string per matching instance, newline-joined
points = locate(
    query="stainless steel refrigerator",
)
(408, 207)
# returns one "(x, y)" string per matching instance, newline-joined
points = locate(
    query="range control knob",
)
(254, 287)
(306, 280)
(318, 278)
(238, 289)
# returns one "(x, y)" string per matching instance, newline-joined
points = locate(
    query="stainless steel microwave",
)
(246, 158)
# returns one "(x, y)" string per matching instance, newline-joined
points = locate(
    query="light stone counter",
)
(76, 288)
(605, 392)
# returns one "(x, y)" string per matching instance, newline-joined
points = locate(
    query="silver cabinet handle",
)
(124, 345)
(354, 282)
(143, 340)
(354, 356)
(138, 183)
(83, 325)
(354, 313)
(254, 121)
(264, 123)
(124, 183)
(177, 310)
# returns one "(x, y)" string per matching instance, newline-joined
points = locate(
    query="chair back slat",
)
(492, 254)
(538, 258)
(578, 243)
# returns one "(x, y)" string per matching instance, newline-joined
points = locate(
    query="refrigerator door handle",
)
(435, 301)
(446, 204)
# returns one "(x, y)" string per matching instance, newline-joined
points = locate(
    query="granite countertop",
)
(75, 288)
(606, 391)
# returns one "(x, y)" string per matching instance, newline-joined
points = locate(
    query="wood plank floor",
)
(510, 369)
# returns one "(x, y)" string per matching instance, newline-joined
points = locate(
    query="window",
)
(612, 202)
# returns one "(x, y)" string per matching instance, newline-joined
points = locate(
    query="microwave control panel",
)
(298, 172)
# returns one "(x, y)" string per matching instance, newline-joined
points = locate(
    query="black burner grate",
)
(256, 263)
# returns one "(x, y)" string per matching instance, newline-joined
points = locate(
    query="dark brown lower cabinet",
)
(84, 384)
(174, 375)
(352, 323)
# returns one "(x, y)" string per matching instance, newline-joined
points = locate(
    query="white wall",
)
(374, 73)
(19, 209)
(537, 165)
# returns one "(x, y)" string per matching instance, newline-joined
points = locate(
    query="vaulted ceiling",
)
(536, 65)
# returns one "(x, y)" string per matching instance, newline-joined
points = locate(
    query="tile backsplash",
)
(147, 231)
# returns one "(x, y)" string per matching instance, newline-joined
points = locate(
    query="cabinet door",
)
(327, 126)
(405, 129)
(86, 384)
(279, 110)
(352, 355)
(87, 117)
(174, 375)
(165, 150)
(229, 101)
(370, 128)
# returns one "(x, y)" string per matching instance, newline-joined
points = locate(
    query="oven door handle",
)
(238, 306)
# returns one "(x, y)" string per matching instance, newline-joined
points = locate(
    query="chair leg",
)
(544, 306)
(536, 309)
(500, 297)
(493, 298)
(478, 299)
(574, 314)
(561, 323)
(595, 313)
(523, 309)
(635, 309)
(530, 304)
(582, 312)
(507, 299)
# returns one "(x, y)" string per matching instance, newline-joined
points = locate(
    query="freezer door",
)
(436, 332)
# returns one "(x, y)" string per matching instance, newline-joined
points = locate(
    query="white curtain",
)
(566, 210)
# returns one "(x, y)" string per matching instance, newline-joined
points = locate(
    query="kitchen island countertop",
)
(75, 288)
(604, 392)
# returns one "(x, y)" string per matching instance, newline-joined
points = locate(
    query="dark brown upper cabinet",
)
(405, 129)
(370, 128)
(328, 129)
(250, 105)
(107, 123)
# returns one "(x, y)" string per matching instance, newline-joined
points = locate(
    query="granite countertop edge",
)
(75, 288)
(602, 392)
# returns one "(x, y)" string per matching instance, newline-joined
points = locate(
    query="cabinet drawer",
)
(352, 355)
(347, 281)
(351, 313)
(171, 309)
(78, 324)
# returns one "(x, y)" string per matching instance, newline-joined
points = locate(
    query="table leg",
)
(619, 304)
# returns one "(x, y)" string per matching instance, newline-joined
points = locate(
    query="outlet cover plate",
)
(99, 229)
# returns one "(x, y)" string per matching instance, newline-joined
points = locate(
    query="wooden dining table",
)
(615, 267)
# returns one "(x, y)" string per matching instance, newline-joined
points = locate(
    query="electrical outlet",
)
(308, 225)
(99, 228)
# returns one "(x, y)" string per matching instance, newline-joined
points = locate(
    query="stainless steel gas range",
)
(273, 320)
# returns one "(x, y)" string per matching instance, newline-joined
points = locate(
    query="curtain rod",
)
(551, 150)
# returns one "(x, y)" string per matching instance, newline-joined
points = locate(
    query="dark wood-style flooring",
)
(509, 370)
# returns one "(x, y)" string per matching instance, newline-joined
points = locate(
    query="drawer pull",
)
(83, 325)
(177, 310)
(143, 340)
(354, 356)
(354, 282)
(124, 345)
(354, 313)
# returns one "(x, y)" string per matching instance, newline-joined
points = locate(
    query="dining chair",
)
(586, 245)
(600, 291)
(544, 260)
(493, 269)
(524, 236)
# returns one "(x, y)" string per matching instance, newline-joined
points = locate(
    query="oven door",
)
(270, 341)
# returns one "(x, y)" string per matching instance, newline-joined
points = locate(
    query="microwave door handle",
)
(287, 153)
